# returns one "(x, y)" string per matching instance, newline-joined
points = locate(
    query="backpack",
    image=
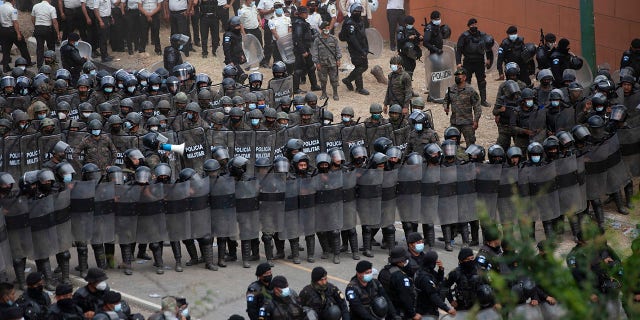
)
(385, 276)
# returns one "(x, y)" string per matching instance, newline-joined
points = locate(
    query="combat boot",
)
(464, 229)
(100, 256)
(63, 259)
(142, 252)
(574, 222)
(44, 266)
(83, 259)
(334, 239)
(245, 250)
(279, 249)
(482, 88)
(206, 248)
(344, 234)
(190, 244)
(127, 258)
(548, 229)
(409, 227)
(598, 212)
(323, 87)
(429, 234)
(353, 243)
(374, 232)
(324, 244)
(366, 241)
(388, 237)
(176, 248)
(335, 93)
(222, 243)
(311, 248)
(267, 241)
(156, 251)
(446, 232)
(475, 237)
(18, 267)
(295, 250)
(109, 253)
(232, 255)
(255, 250)
(628, 195)
(617, 198)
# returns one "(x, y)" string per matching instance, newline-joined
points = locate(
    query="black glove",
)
(439, 51)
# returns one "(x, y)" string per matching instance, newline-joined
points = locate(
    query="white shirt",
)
(281, 25)
(178, 5)
(103, 6)
(44, 12)
(72, 4)
(266, 5)
(249, 16)
(314, 20)
(89, 4)
(395, 4)
(8, 14)
(132, 4)
(331, 8)
(224, 2)
(150, 5)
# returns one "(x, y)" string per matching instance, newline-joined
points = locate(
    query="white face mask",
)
(101, 286)
(409, 26)
(62, 115)
(153, 128)
(131, 89)
(326, 122)
(437, 22)
(394, 67)
(529, 103)
(513, 37)
(86, 114)
(326, 31)
(227, 109)
(155, 88)
(23, 67)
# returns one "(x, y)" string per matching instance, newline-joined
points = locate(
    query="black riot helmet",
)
(237, 166)
(449, 148)
(381, 144)
(565, 139)
(255, 80)
(580, 133)
(115, 175)
(413, 158)
(496, 154)
(211, 165)
(133, 156)
(485, 295)
(618, 113)
(186, 174)
(358, 154)
(162, 171)
(379, 306)
(221, 154)
(331, 313)
(476, 153)
(292, 147)
(337, 156)
(513, 152)
(281, 164)
(90, 171)
(264, 162)
(534, 152)
(432, 153)
(6, 182)
(142, 175)
(323, 161)
(178, 40)
(551, 147)
(378, 159)
(279, 70)
(452, 133)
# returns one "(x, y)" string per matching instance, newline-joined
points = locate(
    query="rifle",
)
(425, 23)
(323, 107)
(541, 38)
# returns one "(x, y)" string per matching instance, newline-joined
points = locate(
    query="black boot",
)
(190, 244)
(548, 229)
(324, 244)
(558, 225)
(255, 250)
(464, 229)
(475, 229)
(232, 255)
(83, 259)
(353, 243)
(18, 267)
(574, 222)
(446, 232)
(267, 242)
(295, 250)
(156, 251)
(100, 256)
(366, 241)
(482, 87)
(279, 249)
(127, 258)
(344, 234)
(142, 252)
(598, 213)
(409, 227)
(617, 198)
(44, 266)
(389, 237)
(374, 243)
(628, 195)
(206, 248)
(63, 258)
(109, 255)
(334, 240)
(176, 248)
(222, 242)
(429, 234)
(245, 250)
(311, 247)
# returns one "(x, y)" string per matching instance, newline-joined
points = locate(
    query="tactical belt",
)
(126, 209)
(43, 222)
(102, 208)
(369, 192)
(567, 180)
(487, 186)
(176, 206)
(62, 215)
(199, 203)
(388, 193)
(223, 201)
(290, 203)
(604, 165)
(307, 201)
(328, 196)
(465, 187)
(82, 205)
(271, 197)
(429, 189)
(408, 187)
(348, 195)
(447, 190)
(247, 205)
(17, 222)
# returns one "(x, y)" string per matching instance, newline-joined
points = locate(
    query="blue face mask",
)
(118, 307)
(437, 22)
(181, 47)
(41, 116)
(108, 89)
(418, 126)
(131, 89)
(185, 312)
(419, 247)
(262, 106)
(599, 108)
(346, 119)
(298, 107)
(255, 122)
(535, 159)
(555, 103)
(252, 106)
(409, 26)
(279, 11)
(529, 103)
(394, 67)
(286, 292)
(513, 37)
(376, 116)
(67, 178)
(127, 125)
(75, 44)
(95, 132)
(189, 116)
(367, 277)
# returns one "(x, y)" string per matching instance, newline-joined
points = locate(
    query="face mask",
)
(93, 72)
(163, 125)
(108, 89)
(418, 126)
(468, 265)
(346, 119)
(255, 122)
(181, 47)
(434, 160)
(24, 126)
(9, 302)
(143, 83)
(513, 37)
(153, 128)
(419, 247)
(235, 120)
(458, 80)
(473, 29)
(185, 312)
(24, 92)
(262, 106)
(326, 122)
(95, 132)
(23, 68)
(298, 107)
(367, 277)
(529, 103)
(62, 115)
(227, 109)
(409, 26)
(599, 108)
(555, 103)
(285, 292)
(131, 89)
(67, 178)
(41, 116)
(551, 44)
(284, 125)
(127, 125)
(326, 31)
(189, 116)
(86, 114)
(252, 106)
(117, 307)
(120, 85)
(279, 11)
(75, 44)
(267, 279)
(394, 67)
(101, 286)
(376, 116)
(155, 87)
(437, 22)
(535, 159)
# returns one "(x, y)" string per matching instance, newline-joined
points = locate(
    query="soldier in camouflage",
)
(98, 148)
(326, 55)
(465, 106)
(396, 117)
(421, 132)
(376, 118)
(505, 113)
(399, 90)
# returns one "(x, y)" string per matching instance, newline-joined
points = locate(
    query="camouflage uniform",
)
(502, 92)
(325, 51)
(100, 97)
(465, 110)
(505, 120)
(417, 140)
(399, 90)
(100, 151)
(399, 123)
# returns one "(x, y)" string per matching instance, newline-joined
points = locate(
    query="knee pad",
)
(206, 240)
(154, 246)
(267, 237)
(64, 255)
(389, 230)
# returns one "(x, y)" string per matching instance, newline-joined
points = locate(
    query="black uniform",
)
(65, 309)
(172, 57)
(257, 295)
(466, 283)
(283, 308)
(406, 52)
(319, 299)
(631, 58)
(72, 61)
(34, 303)
(360, 298)
(210, 18)
(433, 38)
(358, 49)
(303, 37)
(428, 299)
(233, 53)
(401, 290)
(560, 60)
(474, 48)
(89, 301)
(511, 51)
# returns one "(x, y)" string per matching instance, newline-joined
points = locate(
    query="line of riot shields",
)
(276, 202)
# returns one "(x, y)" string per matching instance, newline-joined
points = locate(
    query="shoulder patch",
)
(407, 283)
(250, 298)
(352, 29)
(556, 61)
(625, 58)
(500, 50)
(227, 39)
(351, 295)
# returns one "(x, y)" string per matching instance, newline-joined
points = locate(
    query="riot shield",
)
(292, 228)
(11, 156)
(285, 46)
(137, 100)
(526, 311)
(282, 87)
(30, 159)
(375, 132)
(543, 190)
(400, 137)
(82, 206)
(159, 97)
(570, 199)
(104, 214)
(388, 199)
(5, 248)
(330, 137)
(349, 207)
(221, 138)
(583, 75)
(353, 136)
(630, 149)
(538, 123)
(553, 312)
(243, 144)
(151, 217)
(19, 102)
(272, 201)
(45, 146)
(507, 190)
(310, 135)
(252, 50)
(566, 119)
(376, 44)
(488, 314)
(439, 72)
(429, 184)
(126, 219)
(73, 138)
(282, 136)
(16, 213)
(62, 206)
(264, 144)
(307, 206)
(408, 199)
(268, 97)
(178, 219)
(329, 205)
(369, 196)
(466, 192)
(84, 48)
(199, 208)
(487, 184)
(44, 235)
(247, 209)
(123, 143)
(605, 171)
(196, 151)
(447, 195)
(222, 195)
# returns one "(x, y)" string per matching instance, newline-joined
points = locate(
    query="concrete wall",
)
(617, 22)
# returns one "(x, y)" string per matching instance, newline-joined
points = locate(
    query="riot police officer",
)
(324, 297)
(421, 132)
(506, 114)
(171, 55)
(34, 301)
(284, 304)
(232, 46)
(511, 50)
(475, 45)
(433, 39)
(466, 280)
(427, 283)
(259, 291)
(408, 40)
(353, 32)
(366, 297)
(631, 58)
(302, 42)
(398, 284)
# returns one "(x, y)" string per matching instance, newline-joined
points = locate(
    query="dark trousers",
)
(256, 33)
(477, 68)
(74, 20)
(44, 34)
(209, 24)
(132, 20)
(92, 31)
(394, 17)
(117, 34)
(303, 67)
(8, 38)
(154, 28)
(267, 44)
(180, 24)
(408, 64)
(103, 36)
(361, 65)
(195, 24)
